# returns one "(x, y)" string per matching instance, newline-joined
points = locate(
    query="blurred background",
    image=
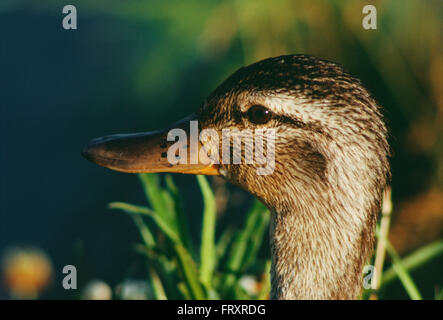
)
(139, 65)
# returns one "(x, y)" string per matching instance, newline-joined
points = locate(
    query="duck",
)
(331, 165)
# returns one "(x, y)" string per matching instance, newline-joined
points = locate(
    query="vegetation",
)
(177, 269)
(157, 60)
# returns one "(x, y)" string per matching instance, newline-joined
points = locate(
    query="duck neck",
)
(319, 250)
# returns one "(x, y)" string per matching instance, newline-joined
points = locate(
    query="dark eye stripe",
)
(300, 124)
(296, 123)
(291, 121)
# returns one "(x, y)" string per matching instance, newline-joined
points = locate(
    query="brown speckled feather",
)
(331, 166)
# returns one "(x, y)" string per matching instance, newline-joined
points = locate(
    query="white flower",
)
(97, 290)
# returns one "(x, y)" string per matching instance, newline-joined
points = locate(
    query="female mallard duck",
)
(331, 166)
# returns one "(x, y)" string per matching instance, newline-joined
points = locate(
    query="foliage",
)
(178, 270)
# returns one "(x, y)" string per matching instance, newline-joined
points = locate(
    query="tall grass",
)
(215, 269)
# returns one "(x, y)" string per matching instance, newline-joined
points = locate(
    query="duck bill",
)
(151, 152)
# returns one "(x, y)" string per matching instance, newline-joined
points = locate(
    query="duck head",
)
(324, 164)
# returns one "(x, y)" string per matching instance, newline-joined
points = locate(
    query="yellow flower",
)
(26, 272)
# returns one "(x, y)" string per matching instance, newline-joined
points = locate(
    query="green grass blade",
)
(233, 264)
(402, 273)
(130, 208)
(189, 270)
(223, 244)
(182, 221)
(256, 237)
(240, 244)
(184, 291)
(244, 242)
(160, 200)
(157, 287)
(166, 269)
(266, 285)
(415, 259)
(145, 233)
(151, 187)
(143, 229)
(207, 253)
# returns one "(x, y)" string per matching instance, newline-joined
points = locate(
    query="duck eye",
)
(259, 114)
